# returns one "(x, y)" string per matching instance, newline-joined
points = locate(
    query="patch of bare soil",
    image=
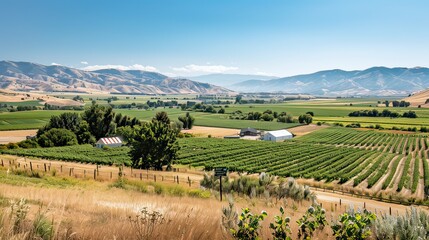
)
(15, 135)
(305, 129)
(213, 131)
(10, 96)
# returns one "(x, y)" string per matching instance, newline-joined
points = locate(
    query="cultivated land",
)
(372, 164)
(15, 136)
(325, 110)
(84, 208)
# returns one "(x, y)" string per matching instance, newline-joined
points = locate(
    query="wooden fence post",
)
(61, 168)
(2, 164)
(141, 176)
(390, 211)
(95, 174)
(70, 172)
(177, 179)
(111, 175)
(162, 178)
(340, 201)
(189, 181)
(154, 177)
(44, 166)
(31, 166)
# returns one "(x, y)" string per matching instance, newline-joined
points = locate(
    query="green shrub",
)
(248, 225)
(354, 225)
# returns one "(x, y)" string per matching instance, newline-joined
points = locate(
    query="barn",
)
(249, 132)
(109, 141)
(277, 136)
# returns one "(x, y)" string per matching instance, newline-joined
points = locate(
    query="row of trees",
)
(384, 113)
(397, 103)
(269, 115)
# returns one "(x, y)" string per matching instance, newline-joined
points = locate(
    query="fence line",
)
(98, 172)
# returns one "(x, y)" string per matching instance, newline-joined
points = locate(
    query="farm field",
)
(326, 110)
(371, 161)
(99, 209)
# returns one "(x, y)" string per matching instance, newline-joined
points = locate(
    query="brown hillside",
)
(419, 98)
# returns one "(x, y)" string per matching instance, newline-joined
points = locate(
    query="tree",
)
(78, 99)
(267, 117)
(187, 120)
(70, 121)
(162, 117)
(154, 146)
(306, 119)
(221, 111)
(311, 113)
(238, 98)
(57, 137)
(100, 120)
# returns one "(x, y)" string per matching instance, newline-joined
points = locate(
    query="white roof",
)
(109, 140)
(280, 133)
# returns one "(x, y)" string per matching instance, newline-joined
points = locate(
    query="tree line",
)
(384, 113)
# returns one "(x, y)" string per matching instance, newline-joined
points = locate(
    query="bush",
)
(248, 225)
(354, 225)
(57, 137)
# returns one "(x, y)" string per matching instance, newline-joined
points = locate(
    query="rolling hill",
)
(27, 76)
(376, 81)
(419, 99)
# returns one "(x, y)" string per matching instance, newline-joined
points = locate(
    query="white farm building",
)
(277, 136)
(109, 141)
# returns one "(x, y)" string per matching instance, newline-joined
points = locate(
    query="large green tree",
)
(57, 137)
(154, 145)
(100, 120)
(71, 121)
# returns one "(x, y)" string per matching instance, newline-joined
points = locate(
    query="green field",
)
(328, 111)
(367, 159)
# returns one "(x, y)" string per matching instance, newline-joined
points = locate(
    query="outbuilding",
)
(109, 141)
(249, 132)
(277, 136)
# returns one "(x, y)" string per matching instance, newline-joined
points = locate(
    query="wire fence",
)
(100, 172)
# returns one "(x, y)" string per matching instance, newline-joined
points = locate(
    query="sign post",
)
(220, 172)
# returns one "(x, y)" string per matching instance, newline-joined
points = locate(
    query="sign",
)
(220, 171)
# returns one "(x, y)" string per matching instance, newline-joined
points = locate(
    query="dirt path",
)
(347, 201)
(379, 184)
(398, 174)
(15, 135)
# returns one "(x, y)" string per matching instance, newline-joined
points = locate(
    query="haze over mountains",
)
(376, 81)
(228, 80)
(26, 76)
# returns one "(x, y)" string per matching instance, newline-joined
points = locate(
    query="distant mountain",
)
(377, 81)
(226, 80)
(27, 76)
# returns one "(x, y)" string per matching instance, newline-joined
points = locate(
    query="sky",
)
(194, 37)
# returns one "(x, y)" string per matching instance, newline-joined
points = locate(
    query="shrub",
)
(354, 225)
(281, 227)
(313, 219)
(248, 225)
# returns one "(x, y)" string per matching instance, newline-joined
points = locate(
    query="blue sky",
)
(184, 38)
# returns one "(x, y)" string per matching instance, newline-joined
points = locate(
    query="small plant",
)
(229, 215)
(42, 227)
(19, 210)
(248, 225)
(145, 223)
(281, 227)
(314, 219)
(354, 225)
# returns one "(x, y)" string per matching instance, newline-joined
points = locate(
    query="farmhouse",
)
(109, 141)
(277, 136)
(249, 132)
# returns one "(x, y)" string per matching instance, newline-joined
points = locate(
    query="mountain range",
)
(228, 80)
(376, 81)
(27, 76)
